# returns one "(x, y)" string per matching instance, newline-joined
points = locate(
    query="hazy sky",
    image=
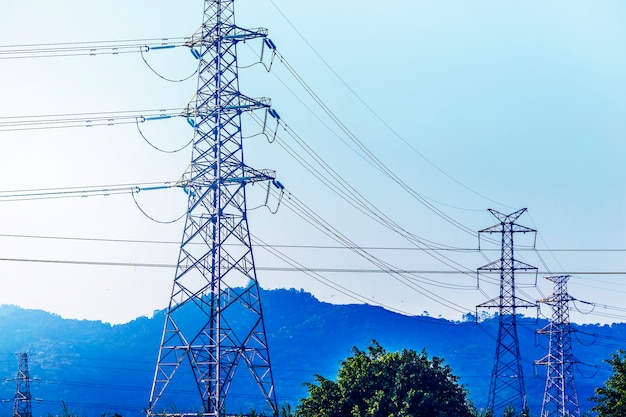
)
(465, 106)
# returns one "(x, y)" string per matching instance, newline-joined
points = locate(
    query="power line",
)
(375, 114)
(88, 191)
(371, 157)
(105, 47)
(338, 185)
(353, 197)
(337, 287)
(324, 247)
(317, 221)
(415, 249)
(72, 120)
(298, 269)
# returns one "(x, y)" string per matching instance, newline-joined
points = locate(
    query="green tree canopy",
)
(377, 383)
(610, 399)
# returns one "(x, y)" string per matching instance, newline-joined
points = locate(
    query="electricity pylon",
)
(507, 379)
(214, 325)
(559, 397)
(22, 398)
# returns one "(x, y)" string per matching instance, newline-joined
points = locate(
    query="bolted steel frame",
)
(559, 397)
(214, 323)
(507, 379)
(22, 401)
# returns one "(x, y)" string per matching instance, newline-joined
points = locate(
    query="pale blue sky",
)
(522, 103)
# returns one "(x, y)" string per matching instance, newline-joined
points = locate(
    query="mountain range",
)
(90, 368)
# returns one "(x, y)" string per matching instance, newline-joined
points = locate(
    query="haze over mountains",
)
(97, 368)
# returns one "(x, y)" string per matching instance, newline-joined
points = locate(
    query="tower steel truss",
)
(22, 399)
(559, 397)
(214, 324)
(507, 378)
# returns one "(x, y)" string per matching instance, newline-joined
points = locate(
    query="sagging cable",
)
(277, 184)
(274, 114)
(272, 47)
(142, 119)
(147, 48)
(137, 190)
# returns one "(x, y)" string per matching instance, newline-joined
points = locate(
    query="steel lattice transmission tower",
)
(22, 398)
(214, 326)
(507, 379)
(559, 397)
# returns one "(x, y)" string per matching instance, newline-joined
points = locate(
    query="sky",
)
(446, 109)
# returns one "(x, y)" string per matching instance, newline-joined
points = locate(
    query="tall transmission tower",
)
(214, 325)
(559, 397)
(22, 398)
(507, 379)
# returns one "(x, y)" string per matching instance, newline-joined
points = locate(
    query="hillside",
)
(97, 368)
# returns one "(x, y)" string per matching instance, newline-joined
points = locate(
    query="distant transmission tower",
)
(214, 326)
(22, 398)
(559, 397)
(507, 379)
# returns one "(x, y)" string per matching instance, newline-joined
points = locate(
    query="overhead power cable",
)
(604, 306)
(302, 268)
(366, 155)
(320, 278)
(89, 191)
(376, 115)
(318, 222)
(69, 120)
(172, 80)
(21, 195)
(372, 158)
(109, 47)
(152, 145)
(314, 247)
(109, 121)
(331, 179)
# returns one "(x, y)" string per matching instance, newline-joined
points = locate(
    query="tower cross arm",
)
(516, 302)
(557, 298)
(243, 104)
(515, 228)
(253, 175)
(517, 266)
(248, 103)
(546, 360)
(233, 33)
(244, 34)
(508, 219)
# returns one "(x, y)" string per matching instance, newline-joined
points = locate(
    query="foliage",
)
(379, 383)
(610, 399)
(285, 411)
(509, 411)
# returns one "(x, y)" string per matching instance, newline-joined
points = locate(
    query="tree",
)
(610, 399)
(376, 383)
